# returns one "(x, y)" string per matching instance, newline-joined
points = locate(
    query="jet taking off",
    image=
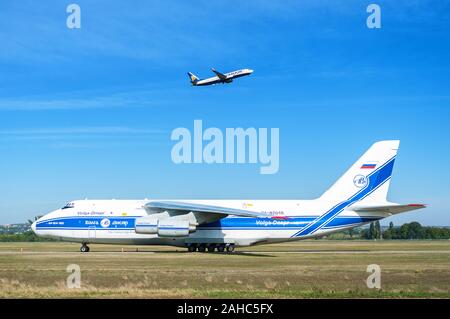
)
(357, 198)
(219, 78)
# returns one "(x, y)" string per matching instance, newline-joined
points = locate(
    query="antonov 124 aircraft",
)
(219, 78)
(355, 199)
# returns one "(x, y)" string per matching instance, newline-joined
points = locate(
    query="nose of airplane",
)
(250, 70)
(33, 227)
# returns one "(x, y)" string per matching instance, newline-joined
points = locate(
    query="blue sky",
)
(88, 113)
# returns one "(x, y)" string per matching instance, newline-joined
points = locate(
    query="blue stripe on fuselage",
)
(243, 223)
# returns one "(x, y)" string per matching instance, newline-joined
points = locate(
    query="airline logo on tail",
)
(193, 78)
(360, 181)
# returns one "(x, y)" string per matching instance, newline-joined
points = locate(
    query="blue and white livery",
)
(357, 198)
(219, 78)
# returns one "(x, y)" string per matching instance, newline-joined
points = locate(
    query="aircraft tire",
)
(84, 248)
(211, 248)
(192, 248)
(230, 248)
(201, 248)
(221, 248)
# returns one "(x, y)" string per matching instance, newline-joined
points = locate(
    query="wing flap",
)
(185, 208)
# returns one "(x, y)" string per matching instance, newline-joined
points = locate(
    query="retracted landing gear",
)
(84, 248)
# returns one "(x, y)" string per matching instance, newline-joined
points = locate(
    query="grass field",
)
(296, 270)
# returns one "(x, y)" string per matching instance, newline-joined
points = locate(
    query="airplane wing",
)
(185, 208)
(221, 76)
(389, 209)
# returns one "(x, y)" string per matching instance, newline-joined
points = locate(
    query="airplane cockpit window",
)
(68, 205)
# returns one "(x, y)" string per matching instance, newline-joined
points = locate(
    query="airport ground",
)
(307, 269)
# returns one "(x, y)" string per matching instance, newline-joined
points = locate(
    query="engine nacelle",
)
(173, 228)
(166, 227)
(146, 225)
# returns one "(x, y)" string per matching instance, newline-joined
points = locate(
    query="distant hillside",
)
(19, 233)
(14, 228)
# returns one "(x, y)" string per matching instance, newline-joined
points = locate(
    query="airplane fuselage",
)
(357, 198)
(230, 76)
(113, 221)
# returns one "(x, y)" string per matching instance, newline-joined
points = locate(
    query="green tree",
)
(377, 229)
(415, 231)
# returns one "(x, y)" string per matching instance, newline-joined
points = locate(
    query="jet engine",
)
(166, 227)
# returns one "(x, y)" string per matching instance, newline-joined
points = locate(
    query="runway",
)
(316, 268)
(237, 252)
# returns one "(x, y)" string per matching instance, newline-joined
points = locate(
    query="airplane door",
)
(91, 232)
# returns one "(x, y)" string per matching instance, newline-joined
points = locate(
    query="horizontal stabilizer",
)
(390, 209)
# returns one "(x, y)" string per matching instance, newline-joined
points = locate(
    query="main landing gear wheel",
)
(208, 247)
(84, 248)
(230, 248)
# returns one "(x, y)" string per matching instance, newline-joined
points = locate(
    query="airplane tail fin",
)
(368, 178)
(194, 79)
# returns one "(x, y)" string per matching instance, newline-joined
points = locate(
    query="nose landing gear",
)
(84, 248)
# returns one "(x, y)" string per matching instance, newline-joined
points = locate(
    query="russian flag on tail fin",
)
(369, 165)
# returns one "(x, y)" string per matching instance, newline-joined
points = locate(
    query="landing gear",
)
(230, 248)
(84, 248)
(209, 247)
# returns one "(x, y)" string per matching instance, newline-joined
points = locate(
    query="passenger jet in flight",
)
(219, 78)
(357, 198)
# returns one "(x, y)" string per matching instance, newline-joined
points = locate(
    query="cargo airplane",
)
(219, 78)
(357, 198)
